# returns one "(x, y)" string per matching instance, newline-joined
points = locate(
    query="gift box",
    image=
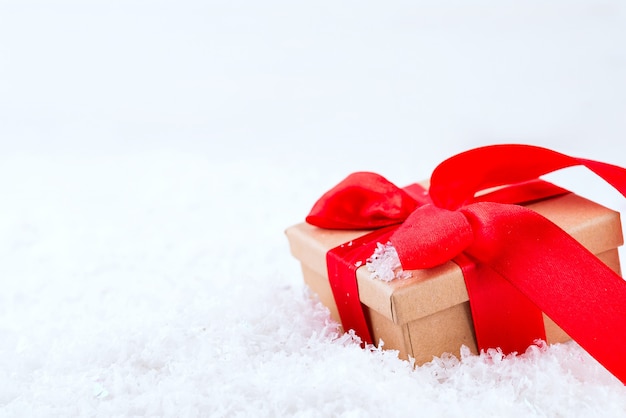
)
(496, 257)
(428, 313)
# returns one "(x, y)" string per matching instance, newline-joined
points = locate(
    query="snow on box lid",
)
(432, 290)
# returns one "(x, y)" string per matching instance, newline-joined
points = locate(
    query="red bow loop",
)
(362, 200)
(455, 182)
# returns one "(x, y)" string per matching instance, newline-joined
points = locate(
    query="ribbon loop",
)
(455, 182)
(362, 200)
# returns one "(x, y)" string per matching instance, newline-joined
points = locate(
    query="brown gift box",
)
(428, 314)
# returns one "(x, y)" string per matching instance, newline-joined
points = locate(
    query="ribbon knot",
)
(431, 236)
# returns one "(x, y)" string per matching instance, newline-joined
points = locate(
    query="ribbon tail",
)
(561, 277)
(509, 320)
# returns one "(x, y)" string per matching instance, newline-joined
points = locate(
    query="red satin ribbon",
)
(524, 264)
(342, 262)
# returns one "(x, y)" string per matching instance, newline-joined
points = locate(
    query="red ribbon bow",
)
(520, 263)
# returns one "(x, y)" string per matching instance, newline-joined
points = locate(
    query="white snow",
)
(153, 152)
(384, 264)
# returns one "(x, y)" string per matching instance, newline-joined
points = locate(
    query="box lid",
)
(431, 290)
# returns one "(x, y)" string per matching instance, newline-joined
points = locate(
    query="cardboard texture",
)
(428, 314)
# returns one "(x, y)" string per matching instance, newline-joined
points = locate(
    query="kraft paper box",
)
(428, 314)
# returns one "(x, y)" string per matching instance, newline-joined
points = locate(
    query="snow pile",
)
(385, 265)
(147, 285)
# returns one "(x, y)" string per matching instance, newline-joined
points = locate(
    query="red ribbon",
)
(516, 263)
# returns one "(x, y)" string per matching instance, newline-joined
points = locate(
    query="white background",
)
(243, 77)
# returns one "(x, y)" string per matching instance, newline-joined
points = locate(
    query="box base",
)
(433, 335)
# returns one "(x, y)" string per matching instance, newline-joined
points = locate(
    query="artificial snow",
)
(384, 264)
(128, 290)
